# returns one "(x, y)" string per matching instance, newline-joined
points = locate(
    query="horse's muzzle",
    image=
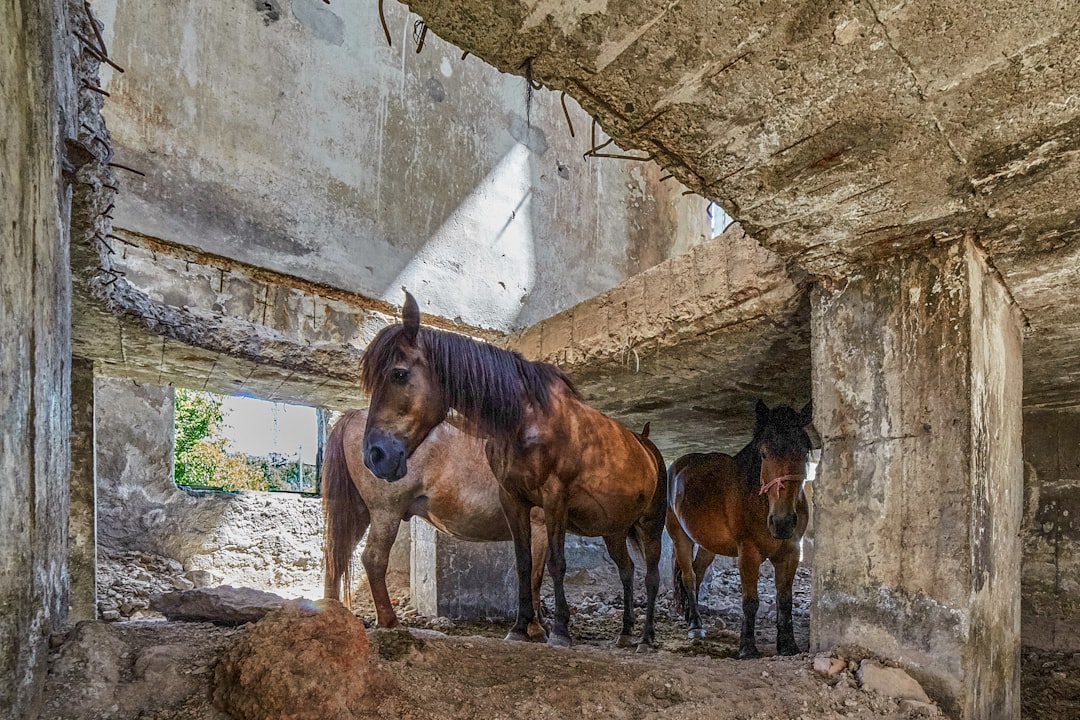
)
(384, 456)
(782, 527)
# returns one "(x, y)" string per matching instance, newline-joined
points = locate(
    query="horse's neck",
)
(749, 463)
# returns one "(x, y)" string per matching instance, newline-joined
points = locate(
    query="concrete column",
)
(82, 519)
(917, 393)
(1050, 580)
(460, 579)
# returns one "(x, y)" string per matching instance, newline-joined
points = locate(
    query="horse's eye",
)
(399, 375)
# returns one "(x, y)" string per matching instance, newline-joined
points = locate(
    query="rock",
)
(304, 661)
(160, 667)
(919, 708)
(201, 578)
(826, 665)
(224, 605)
(890, 681)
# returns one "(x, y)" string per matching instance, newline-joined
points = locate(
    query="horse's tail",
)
(679, 600)
(343, 512)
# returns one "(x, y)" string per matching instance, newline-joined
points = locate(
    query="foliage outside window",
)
(202, 457)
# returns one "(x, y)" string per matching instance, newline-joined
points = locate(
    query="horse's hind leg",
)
(616, 547)
(685, 582)
(376, 558)
(785, 567)
(749, 567)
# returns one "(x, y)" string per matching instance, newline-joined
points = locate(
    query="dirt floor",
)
(457, 671)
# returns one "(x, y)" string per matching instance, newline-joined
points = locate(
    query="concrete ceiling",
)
(840, 132)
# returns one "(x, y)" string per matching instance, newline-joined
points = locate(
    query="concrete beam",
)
(917, 392)
(688, 345)
(460, 579)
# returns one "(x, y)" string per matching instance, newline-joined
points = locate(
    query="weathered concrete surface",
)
(460, 579)
(840, 131)
(1050, 609)
(917, 396)
(82, 515)
(366, 167)
(260, 540)
(36, 95)
(673, 345)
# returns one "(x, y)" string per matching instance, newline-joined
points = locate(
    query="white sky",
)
(258, 427)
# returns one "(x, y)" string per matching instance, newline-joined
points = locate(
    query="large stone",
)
(891, 681)
(305, 661)
(224, 605)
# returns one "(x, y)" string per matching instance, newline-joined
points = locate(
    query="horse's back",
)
(706, 496)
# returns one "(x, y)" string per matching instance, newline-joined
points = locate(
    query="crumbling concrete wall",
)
(35, 346)
(1050, 574)
(179, 538)
(288, 135)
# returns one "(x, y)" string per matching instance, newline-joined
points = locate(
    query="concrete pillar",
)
(917, 393)
(82, 518)
(1050, 573)
(460, 579)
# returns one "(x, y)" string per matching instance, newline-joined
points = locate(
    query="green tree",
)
(200, 456)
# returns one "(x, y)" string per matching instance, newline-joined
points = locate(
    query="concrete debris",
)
(223, 605)
(890, 681)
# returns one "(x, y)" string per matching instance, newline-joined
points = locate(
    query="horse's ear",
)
(410, 317)
(762, 411)
(645, 430)
(807, 415)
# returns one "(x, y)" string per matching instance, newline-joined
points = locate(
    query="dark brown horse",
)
(449, 484)
(750, 506)
(547, 448)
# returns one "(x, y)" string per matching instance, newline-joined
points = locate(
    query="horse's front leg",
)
(376, 558)
(616, 547)
(555, 519)
(785, 567)
(749, 567)
(517, 517)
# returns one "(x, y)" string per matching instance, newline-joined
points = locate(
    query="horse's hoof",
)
(696, 634)
(518, 636)
(559, 641)
(644, 648)
(624, 641)
(749, 653)
(538, 636)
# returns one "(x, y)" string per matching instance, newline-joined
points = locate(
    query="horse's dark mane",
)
(785, 435)
(486, 384)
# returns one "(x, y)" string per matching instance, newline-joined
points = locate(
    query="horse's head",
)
(783, 444)
(407, 401)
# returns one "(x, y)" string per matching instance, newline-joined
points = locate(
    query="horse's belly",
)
(708, 533)
(597, 515)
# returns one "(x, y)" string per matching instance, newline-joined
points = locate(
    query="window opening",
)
(243, 443)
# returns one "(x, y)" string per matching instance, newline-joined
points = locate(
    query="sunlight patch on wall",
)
(480, 263)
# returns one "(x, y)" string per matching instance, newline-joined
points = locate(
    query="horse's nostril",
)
(375, 454)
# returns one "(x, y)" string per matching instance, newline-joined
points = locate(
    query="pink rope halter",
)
(778, 482)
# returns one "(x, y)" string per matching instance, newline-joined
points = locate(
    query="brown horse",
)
(449, 484)
(547, 448)
(750, 506)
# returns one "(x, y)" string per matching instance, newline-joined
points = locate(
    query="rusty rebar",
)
(382, 19)
(566, 113)
(129, 169)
